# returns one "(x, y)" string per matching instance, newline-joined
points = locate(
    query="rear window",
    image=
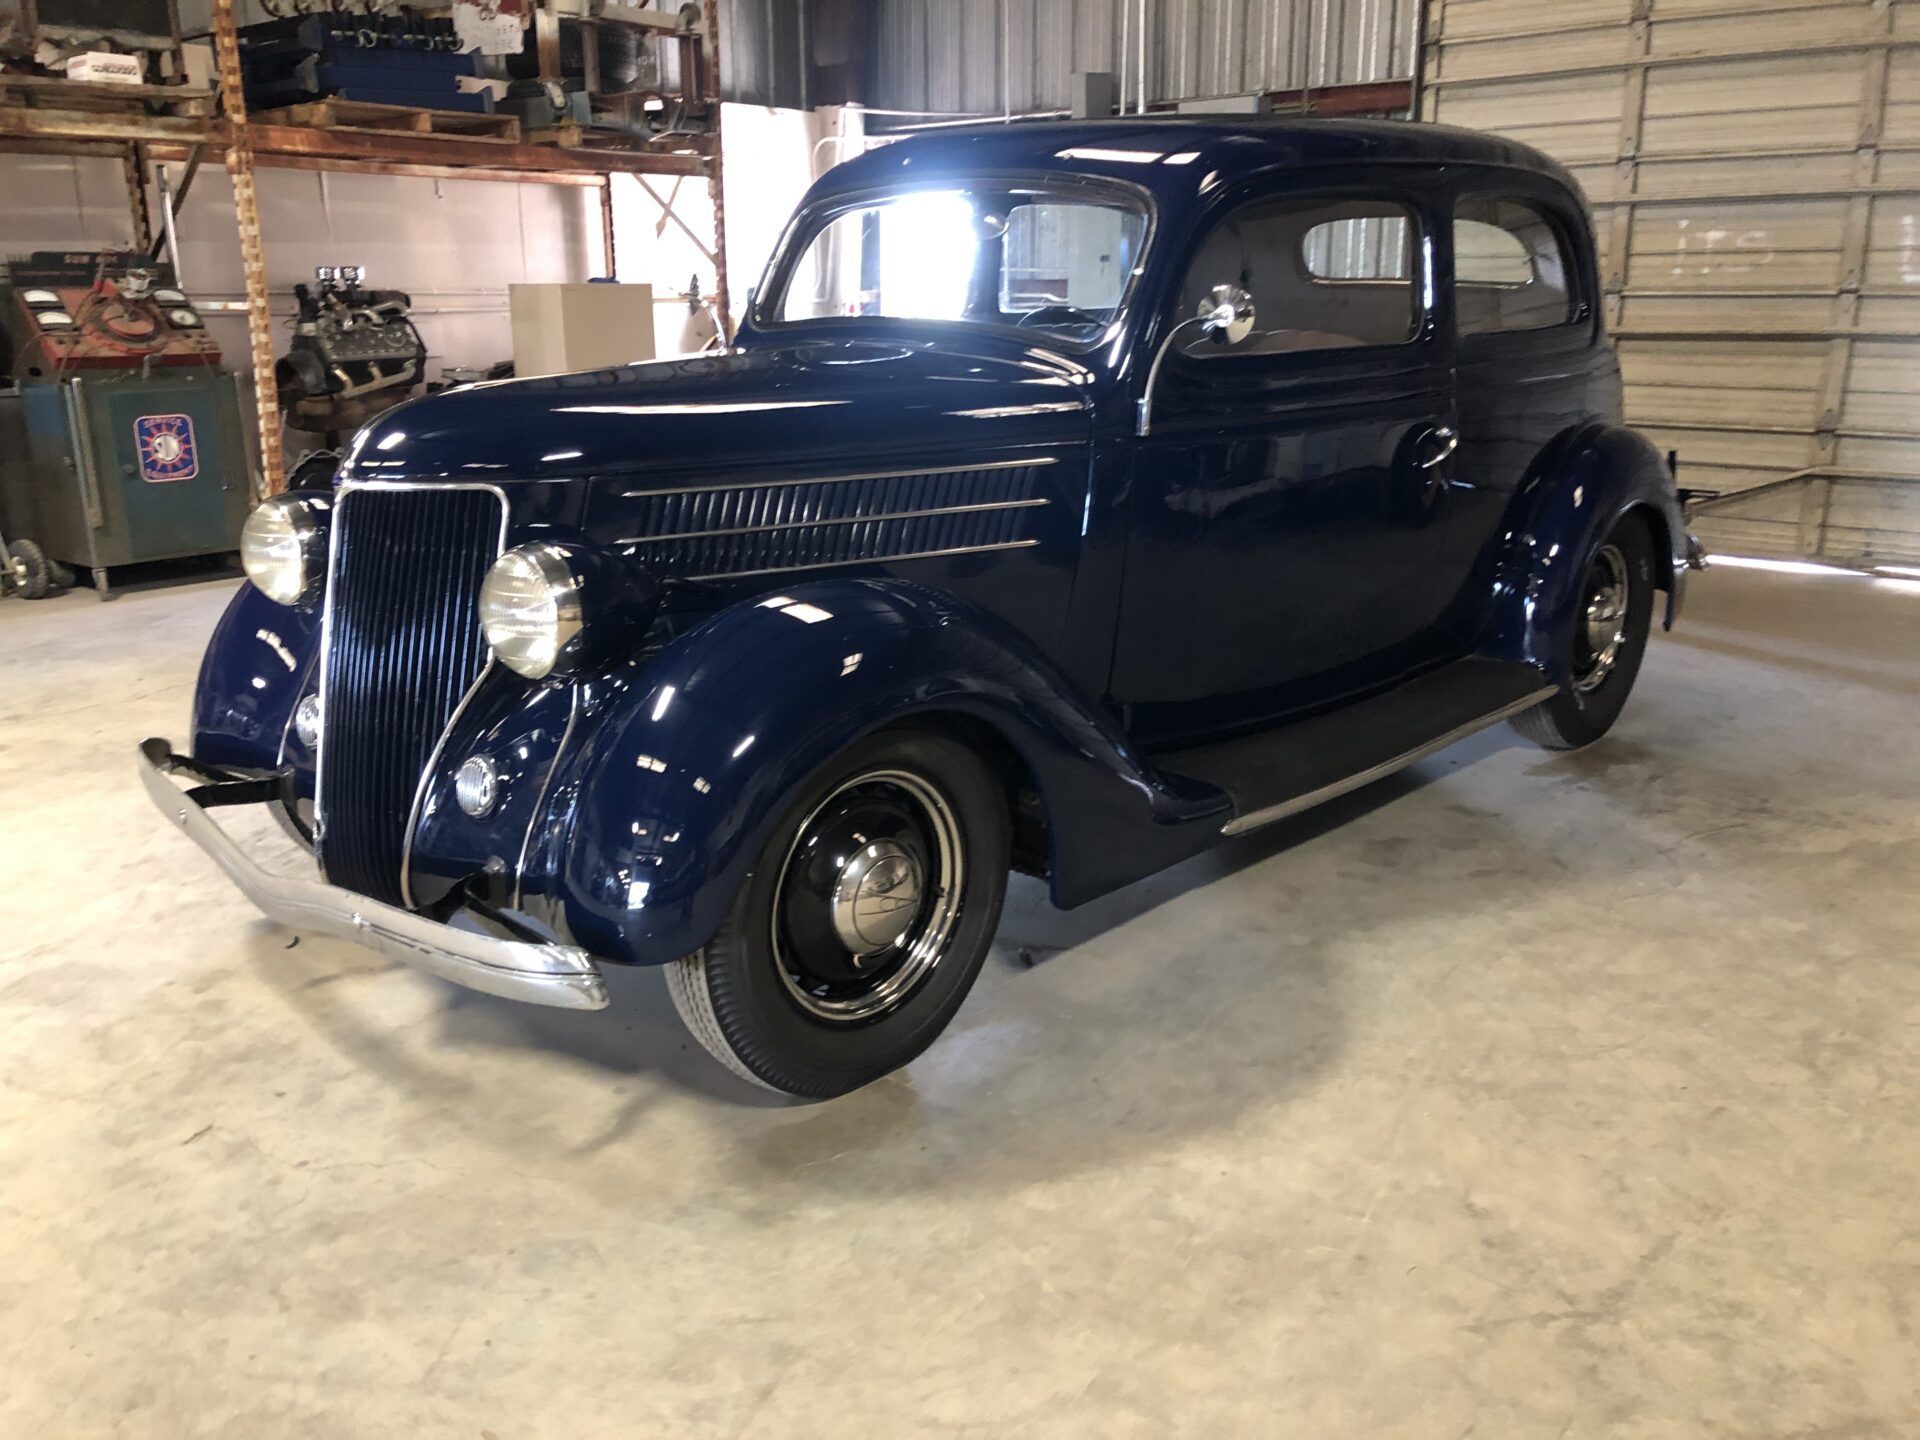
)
(1327, 273)
(1511, 268)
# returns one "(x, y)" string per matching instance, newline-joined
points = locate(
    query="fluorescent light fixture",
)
(1899, 572)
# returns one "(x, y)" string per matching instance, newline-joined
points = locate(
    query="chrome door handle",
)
(1449, 439)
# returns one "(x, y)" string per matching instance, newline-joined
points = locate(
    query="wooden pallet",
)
(364, 115)
(572, 135)
(52, 92)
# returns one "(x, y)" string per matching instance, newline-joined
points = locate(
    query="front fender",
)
(258, 664)
(1578, 490)
(669, 792)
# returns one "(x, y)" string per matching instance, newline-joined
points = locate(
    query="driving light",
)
(476, 785)
(530, 608)
(306, 721)
(283, 547)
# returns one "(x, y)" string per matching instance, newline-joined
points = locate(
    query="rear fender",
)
(677, 780)
(1579, 489)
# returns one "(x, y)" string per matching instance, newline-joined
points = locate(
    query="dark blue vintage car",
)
(1077, 495)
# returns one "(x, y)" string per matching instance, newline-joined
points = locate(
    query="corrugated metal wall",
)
(948, 56)
(1755, 174)
(763, 51)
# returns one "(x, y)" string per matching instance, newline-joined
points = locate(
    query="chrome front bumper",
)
(536, 972)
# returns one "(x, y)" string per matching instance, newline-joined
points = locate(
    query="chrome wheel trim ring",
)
(1606, 597)
(924, 939)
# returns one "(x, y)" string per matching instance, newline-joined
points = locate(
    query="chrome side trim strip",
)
(1240, 824)
(837, 479)
(540, 800)
(426, 777)
(837, 520)
(866, 560)
(280, 755)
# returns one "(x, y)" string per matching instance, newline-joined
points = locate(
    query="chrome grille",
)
(765, 527)
(403, 646)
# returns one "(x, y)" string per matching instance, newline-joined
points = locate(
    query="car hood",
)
(787, 403)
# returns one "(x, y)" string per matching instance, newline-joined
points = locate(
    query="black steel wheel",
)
(1606, 640)
(863, 923)
(32, 571)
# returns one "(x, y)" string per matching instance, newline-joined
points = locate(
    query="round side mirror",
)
(1226, 315)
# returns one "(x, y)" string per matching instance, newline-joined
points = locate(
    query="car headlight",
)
(530, 608)
(283, 547)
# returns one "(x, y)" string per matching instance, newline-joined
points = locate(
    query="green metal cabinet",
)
(132, 469)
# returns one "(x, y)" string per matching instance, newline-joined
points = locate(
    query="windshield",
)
(1057, 260)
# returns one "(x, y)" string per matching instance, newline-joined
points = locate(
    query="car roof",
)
(1176, 155)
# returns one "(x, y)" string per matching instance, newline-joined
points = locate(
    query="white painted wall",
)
(772, 156)
(454, 245)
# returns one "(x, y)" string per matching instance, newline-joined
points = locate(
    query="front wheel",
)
(863, 923)
(1612, 615)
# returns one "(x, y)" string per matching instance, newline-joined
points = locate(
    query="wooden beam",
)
(610, 250)
(447, 152)
(253, 258)
(1375, 97)
(34, 124)
(709, 46)
(404, 148)
(134, 168)
(105, 149)
(336, 166)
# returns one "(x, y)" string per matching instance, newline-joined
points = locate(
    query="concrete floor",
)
(1519, 1096)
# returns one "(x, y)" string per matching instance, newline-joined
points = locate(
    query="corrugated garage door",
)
(1755, 175)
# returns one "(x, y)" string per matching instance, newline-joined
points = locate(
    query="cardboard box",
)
(103, 67)
(558, 329)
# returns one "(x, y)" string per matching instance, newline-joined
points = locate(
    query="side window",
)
(1325, 274)
(1511, 268)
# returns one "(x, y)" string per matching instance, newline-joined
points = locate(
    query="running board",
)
(1293, 767)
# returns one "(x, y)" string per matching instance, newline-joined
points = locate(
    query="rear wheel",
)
(863, 923)
(1605, 642)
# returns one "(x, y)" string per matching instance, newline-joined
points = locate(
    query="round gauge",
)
(53, 319)
(169, 297)
(184, 319)
(40, 297)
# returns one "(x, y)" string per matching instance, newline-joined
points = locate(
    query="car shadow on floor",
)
(1069, 1065)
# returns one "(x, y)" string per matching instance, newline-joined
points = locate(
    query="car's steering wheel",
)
(1059, 315)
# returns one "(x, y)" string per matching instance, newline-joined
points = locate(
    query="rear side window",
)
(1511, 268)
(1325, 274)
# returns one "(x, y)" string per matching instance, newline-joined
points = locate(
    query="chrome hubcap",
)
(1603, 620)
(868, 897)
(877, 897)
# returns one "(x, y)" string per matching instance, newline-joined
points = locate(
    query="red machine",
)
(115, 310)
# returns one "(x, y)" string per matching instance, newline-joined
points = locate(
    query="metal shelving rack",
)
(138, 139)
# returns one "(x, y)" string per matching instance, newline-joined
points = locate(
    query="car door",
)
(1531, 365)
(1284, 495)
